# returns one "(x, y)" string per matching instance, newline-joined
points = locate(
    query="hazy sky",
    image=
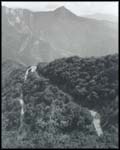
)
(79, 8)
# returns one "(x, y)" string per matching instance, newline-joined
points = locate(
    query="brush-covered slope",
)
(56, 113)
(7, 67)
(93, 82)
(50, 115)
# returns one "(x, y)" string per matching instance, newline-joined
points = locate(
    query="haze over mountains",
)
(31, 37)
(101, 16)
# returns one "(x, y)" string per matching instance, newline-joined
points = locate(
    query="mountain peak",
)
(63, 10)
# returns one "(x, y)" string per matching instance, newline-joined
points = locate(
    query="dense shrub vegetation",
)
(57, 101)
(93, 82)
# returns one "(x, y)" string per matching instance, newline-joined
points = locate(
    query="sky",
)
(79, 8)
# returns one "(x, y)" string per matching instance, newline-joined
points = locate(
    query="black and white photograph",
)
(59, 68)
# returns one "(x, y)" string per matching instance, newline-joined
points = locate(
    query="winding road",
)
(21, 101)
(94, 114)
(96, 122)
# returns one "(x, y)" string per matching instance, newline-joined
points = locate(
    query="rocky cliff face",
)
(57, 99)
(31, 37)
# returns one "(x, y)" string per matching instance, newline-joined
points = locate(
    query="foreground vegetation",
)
(57, 102)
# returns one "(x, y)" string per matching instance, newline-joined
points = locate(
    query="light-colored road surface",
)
(31, 69)
(22, 106)
(96, 122)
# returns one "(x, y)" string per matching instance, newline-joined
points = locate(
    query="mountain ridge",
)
(39, 35)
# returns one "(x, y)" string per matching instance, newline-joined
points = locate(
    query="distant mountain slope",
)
(31, 37)
(101, 16)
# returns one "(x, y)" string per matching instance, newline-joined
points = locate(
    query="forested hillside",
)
(93, 82)
(57, 99)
